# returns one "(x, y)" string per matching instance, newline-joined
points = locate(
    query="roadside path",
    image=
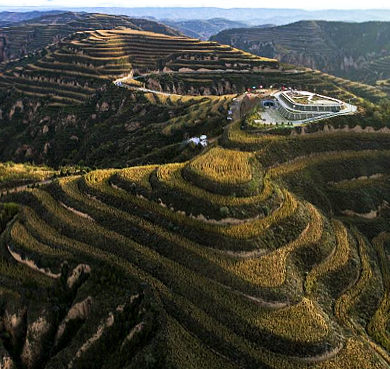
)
(24, 187)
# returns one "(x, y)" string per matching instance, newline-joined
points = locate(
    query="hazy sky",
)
(296, 4)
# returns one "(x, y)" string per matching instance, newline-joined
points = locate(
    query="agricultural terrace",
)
(26, 40)
(221, 247)
(100, 56)
(257, 253)
(158, 61)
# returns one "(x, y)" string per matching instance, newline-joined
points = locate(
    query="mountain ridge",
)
(254, 15)
(25, 37)
(343, 49)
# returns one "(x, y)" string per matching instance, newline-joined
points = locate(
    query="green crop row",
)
(378, 326)
(99, 180)
(22, 237)
(302, 163)
(345, 302)
(262, 318)
(336, 260)
(270, 270)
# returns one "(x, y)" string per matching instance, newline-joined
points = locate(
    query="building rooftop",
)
(310, 98)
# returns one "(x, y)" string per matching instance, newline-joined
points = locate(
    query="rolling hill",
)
(96, 57)
(60, 105)
(219, 261)
(8, 18)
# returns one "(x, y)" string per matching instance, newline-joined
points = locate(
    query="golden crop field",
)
(138, 175)
(223, 166)
(237, 292)
(270, 270)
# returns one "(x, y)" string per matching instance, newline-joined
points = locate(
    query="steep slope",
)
(28, 36)
(214, 262)
(338, 48)
(117, 127)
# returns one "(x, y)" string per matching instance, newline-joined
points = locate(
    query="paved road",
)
(24, 187)
(236, 107)
(120, 83)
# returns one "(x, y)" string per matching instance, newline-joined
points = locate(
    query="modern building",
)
(302, 105)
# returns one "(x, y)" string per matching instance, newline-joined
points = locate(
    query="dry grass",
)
(11, 173)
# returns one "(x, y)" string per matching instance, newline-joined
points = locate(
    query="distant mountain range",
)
(196, 28)
(8, 18)
(204, 29)
(253, 16)
(351, 50)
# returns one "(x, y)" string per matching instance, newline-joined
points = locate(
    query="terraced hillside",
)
(13, 175)
(339, 48)
(90, 121)
(20, 39)
(219, 261)
(286, 76)
(166, 63)
(73, 70)
(267, 249)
